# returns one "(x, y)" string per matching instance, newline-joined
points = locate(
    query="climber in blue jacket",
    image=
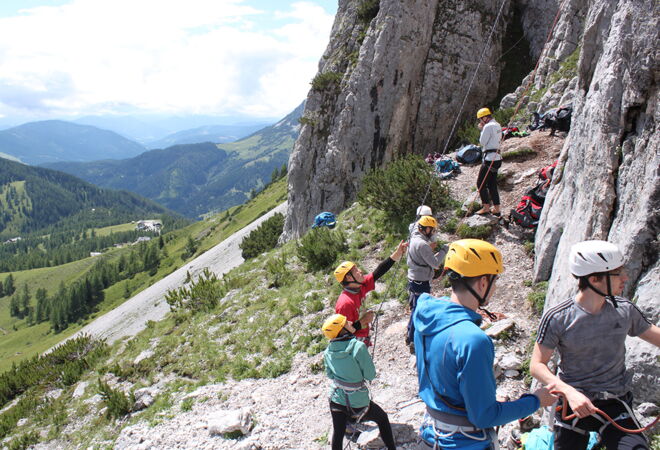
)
(455, 357)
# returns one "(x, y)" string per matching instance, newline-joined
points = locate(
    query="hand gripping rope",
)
(565, 416)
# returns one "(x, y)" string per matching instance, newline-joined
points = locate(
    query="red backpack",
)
(546, 172)
(528, 211)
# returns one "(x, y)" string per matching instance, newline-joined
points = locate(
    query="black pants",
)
(611, 437)
(487, 182)
(341, 414)
(415, 289)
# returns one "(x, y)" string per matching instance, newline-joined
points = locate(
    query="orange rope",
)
(565, 416)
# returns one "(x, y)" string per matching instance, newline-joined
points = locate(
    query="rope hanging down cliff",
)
(457, 117)
(428, 188)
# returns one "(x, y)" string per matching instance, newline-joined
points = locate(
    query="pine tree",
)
(14, 306)
(25, 300)
(41, 313)
(9, 285)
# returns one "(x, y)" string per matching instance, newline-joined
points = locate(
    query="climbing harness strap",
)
(442, 429)
(348, 388)
(444, 420)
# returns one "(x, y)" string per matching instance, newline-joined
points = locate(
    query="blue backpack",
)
(469, 154)
(446, 168)
(446, 165)
(325, 219)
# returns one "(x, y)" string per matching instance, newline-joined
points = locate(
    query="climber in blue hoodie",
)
(455, 357)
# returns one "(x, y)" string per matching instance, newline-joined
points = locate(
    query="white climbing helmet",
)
(424, 211)
(589, 257)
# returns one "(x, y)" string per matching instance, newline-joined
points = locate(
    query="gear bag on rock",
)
(547, 172)
(446, 168)
(469, 154)
(528, 211)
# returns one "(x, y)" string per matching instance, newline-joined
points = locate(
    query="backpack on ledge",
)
(527, 213)
(528, 210)
(469, 154)
(446, 168)
(547, 172)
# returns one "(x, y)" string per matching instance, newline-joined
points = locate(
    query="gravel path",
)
(131, 317)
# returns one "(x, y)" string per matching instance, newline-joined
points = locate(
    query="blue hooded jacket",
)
(460, 366)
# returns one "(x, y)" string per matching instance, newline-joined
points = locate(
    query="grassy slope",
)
(105, 231)
(202, 348)
(15, 345)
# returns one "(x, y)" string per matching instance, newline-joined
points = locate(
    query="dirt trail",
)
(131, 317)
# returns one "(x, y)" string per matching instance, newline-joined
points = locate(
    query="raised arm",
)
(387, 264)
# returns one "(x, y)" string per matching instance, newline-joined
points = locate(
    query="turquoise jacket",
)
(455, 361)
(347, 359)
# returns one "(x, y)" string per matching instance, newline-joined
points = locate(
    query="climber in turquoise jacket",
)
(349, 365)
(455, 357)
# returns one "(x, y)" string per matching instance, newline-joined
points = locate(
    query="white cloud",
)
(198, 56)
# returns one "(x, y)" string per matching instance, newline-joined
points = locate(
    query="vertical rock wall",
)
(608, 185)
(400, 95)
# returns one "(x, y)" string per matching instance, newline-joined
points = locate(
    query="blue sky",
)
(62, 58)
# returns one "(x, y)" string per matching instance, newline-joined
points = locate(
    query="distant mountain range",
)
(32, 199)
(152, 130)
(219, 134)
(198, 178)
(56, 140)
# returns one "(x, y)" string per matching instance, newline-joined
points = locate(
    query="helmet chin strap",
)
(354, 280)
(480, 299)
(609, 296)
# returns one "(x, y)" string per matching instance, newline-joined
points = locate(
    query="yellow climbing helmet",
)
(333, 325)
(483, 112)
(427, 221)
(343, 269)
(473, 258)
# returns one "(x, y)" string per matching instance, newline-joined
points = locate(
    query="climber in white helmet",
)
(589, 332)
(422, 210)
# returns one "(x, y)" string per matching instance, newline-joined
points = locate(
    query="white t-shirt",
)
(491, 134)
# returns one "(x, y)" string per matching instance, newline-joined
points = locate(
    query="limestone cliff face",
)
(392, 83)
(397, 91)
(608, 185)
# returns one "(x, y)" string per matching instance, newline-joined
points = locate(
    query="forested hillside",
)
(56, 140)
(198, 178)
(42, 200)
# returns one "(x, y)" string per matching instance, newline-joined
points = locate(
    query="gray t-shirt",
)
(592, 346)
